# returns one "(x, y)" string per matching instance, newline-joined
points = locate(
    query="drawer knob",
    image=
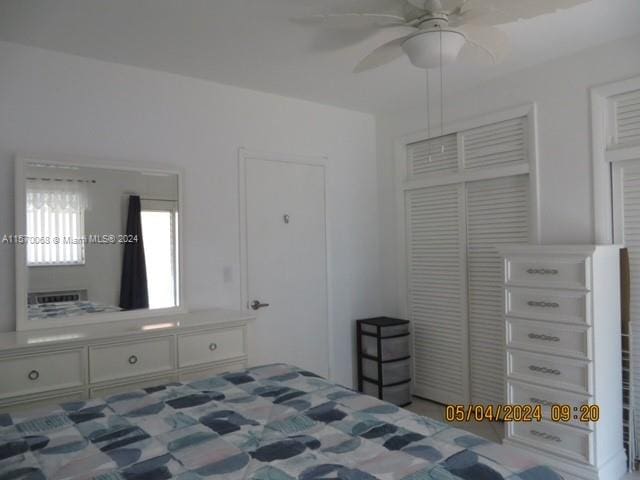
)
(543, 337)
(546, 403)
(550, 371)
(546, 436)
(213, 346)
(542, 271)
(133, 360)
(34, 375)
(543, 304)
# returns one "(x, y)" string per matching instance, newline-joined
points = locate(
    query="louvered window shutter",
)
(497, 145)
(497, 213)
(435, 156)
(626, 121)
(630, 198)
(436, 287)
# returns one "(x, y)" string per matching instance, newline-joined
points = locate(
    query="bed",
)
(44, 311)
(274, 422)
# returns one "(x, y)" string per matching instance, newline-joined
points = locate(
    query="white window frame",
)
(404, 184)
(171, 206)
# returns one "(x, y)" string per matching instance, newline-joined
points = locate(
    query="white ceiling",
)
(252, 43)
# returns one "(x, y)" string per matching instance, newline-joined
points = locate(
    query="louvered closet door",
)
(497, 213)
(627, 119)
(436, 293)
(626, 195)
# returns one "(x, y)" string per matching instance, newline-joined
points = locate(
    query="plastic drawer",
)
(386, 331)
(394, 372)
(392, 348)
(398, 394)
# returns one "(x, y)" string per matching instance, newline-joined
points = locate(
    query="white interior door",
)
(286, 264)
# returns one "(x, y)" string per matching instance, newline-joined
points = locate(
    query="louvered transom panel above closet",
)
(626, 109)
(497, 214)
(436, 282)
(435, 156)
(497, 145)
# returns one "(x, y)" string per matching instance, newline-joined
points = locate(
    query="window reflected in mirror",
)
(99, 241)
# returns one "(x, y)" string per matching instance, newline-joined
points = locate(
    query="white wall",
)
(561, 91)
(62, 105)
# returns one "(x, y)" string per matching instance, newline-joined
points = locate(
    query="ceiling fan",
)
(433, 33)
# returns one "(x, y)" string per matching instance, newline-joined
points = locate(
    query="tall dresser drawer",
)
(548, 370)
(546, 271)
(38, 373)
(569, 442)
(207, 347)
(112, 362)
(548, 337)
(549, 305)
(523, 393)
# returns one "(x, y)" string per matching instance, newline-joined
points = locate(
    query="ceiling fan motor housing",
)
(424, 49)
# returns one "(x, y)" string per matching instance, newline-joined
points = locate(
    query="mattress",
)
(274, 422)
(41, 311)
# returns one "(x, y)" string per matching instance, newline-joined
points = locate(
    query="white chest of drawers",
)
(39, 367)
(562, 332)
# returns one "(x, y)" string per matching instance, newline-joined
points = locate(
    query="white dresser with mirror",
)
(40, 367)
(99, 294)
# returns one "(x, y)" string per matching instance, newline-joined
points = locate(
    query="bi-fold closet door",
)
(454, 274)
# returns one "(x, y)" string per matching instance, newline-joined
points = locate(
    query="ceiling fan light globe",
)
(424, 49)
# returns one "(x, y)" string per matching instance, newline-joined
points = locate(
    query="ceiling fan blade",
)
(382, 55)
(498, 12)
(351, 20)
(485, 45)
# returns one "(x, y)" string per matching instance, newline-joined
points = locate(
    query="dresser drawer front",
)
(545, 271)
(522, 394)
(206, 347)
(113, 362)
(561, 440)
(42, 372)
(548, 305)
(548, 370)
(548, 337)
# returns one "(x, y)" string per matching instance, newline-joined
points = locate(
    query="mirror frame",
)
(22, 274)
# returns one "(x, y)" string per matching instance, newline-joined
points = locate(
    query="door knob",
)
(256, 305)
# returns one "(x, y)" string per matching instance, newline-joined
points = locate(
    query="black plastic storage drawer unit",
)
(384, 359)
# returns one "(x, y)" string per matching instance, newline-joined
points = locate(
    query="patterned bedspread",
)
(275, 422)
(40, 311)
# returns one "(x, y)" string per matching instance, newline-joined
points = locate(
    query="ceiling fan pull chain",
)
(429, 158)
(441, 92)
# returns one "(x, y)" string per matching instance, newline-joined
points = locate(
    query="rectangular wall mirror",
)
(95, 243)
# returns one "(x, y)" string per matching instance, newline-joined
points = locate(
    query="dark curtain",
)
(134, 293)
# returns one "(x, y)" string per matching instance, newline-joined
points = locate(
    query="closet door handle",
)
(33, 375)
(542, 271)
(133, 360)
